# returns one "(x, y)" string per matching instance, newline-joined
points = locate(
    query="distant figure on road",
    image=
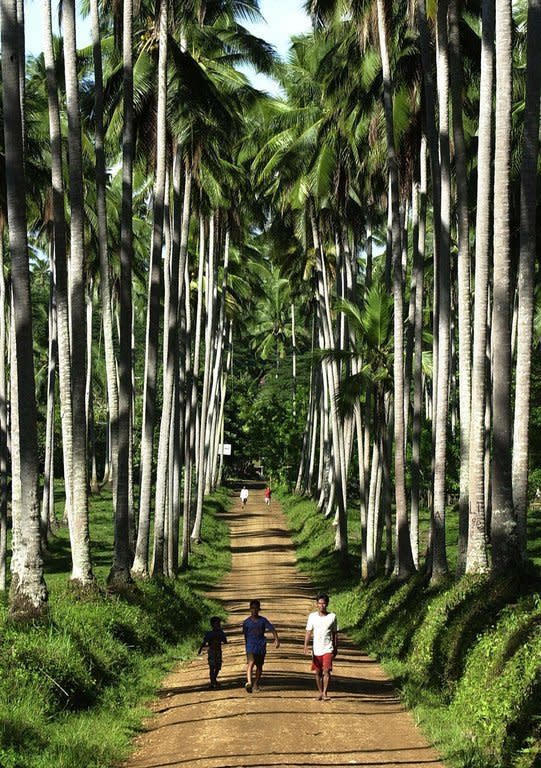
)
(268, 494)
(213, 640)
(253, 629)
(323, 627)
(244, 496)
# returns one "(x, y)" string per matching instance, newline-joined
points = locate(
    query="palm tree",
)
(122, 541)
(476, 556)
(504, 539)
(525, 278)
(28, 594)
(79, 530)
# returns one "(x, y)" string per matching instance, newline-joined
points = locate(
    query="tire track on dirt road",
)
(283, 724)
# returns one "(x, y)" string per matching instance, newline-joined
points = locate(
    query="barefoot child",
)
(214, 640)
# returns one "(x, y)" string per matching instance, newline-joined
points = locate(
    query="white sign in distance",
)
(225, 449)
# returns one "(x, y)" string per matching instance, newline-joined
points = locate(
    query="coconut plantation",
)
(270, 384)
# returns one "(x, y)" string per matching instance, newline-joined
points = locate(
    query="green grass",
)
(465, 655)
(73, 688)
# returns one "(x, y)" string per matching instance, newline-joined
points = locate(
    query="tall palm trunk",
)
(124, 509)
(3, 419)
(177, 268)
(105, 287)
(525, 279)
(476, 556)
(417, 369)
(505, 553)
(153, 307)
(47, 498)
(60, 258)
(28, 594)
(443, 276)
(405, 565)
(464, 286)
(78, 512)
(202, 452)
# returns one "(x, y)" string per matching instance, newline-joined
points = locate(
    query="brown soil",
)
(283, 724)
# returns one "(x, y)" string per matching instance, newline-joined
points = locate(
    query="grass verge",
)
(465, 655)
(73, 689)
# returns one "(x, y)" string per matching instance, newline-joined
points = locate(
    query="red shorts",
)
(322, 663)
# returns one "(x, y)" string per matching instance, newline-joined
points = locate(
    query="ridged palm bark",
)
(105, 282)
(443, 276)
(153, 316)
(476, 556)
(525, 277)
(504, 540)
(464, 278)
(125, 357)
(78, 512)
(47, 497)
(417, 369)
(60, 259)
(177, 269)
(3, 419)
(153, 306)
(202, 442)
(405, 565)
(28, 593)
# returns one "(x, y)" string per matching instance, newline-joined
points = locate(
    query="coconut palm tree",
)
(525, 278)
(28, 594)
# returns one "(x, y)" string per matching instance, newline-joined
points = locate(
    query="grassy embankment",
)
(466, 655)
(71, 687)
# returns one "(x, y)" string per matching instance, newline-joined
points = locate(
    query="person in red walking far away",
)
(268, 494)
(323, 627)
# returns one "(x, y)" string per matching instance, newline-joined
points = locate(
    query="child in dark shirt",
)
(214, 640)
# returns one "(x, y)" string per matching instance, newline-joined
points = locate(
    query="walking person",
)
(244, 496)
(213, 640)
(323, 628)
(268, 494)
(254, 629)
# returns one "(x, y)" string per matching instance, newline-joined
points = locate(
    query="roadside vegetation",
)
(465, 654)
(75, 687)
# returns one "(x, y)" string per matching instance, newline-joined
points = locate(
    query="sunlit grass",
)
(73, 688)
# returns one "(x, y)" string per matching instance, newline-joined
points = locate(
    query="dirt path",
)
(283, 724)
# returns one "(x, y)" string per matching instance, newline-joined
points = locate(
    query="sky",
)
(283, 18)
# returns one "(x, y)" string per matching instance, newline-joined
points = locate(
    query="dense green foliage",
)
(466, 655)
(72, 688)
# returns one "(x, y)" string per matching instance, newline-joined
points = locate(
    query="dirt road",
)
(283, 724)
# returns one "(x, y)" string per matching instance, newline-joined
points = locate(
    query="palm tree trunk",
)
(3, 420)
(105, 286)
(28, 594)
(61, 268)
(78, 512)
(124, 508)
(48, 477)
(153, 314)
(525, 278)
(464, 286)
(417, 372)
(176, 270)
(438, 553)
(476, 556)
(209, 336)
(405, 565)
(505, 550)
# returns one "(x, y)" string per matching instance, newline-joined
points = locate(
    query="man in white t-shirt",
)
(244, 495)
(323, 627)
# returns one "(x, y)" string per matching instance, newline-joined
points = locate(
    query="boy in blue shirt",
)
(213, 640)
(253, 629)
